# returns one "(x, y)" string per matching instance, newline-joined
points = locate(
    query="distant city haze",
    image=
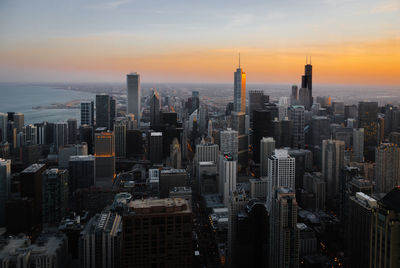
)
(349, 41)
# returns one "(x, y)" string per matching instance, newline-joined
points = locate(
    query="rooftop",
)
(166, 205)
(33, 168)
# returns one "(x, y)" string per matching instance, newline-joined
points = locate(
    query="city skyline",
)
(350, 41)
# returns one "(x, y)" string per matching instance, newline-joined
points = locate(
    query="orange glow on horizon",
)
(374, 62)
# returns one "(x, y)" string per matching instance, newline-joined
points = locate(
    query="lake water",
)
(22, 98)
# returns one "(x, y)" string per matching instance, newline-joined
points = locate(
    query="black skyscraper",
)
(306, 81)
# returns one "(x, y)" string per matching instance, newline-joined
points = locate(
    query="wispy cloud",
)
(110, 5)
(387, 7)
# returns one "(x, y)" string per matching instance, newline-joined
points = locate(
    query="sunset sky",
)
(350, 41)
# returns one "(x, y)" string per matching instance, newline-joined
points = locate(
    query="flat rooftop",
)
(33, 168)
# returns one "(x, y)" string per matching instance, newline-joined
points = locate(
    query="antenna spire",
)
(239, 60)
(306, 59)
(310, 60)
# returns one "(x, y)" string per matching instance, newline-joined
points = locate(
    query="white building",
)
(227, 177)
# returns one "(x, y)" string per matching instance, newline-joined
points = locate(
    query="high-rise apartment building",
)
(55, 196)
(385, 232)
(256, 101)
(284, 235)
(156, 233)
(332, 165)
(281, 173)
(262, 127)
(87, 113)
(239, 97)
(229, 142)
(134, 93)
(267, 147)
(387, 170)
(227, 177)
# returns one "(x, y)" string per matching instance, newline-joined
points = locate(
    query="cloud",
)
(110, 5)
(387, 7)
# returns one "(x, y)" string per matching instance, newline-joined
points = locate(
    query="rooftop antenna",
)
(239, 60)
(310, 60)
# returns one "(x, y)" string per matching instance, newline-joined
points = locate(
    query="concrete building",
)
(100, 242)
(156, 147)
(134, 96)
(387, 169)
(103, 111)
(258, 188)
(64, 153)
(227, 177)
(157, 232)
(60, 134)
(3, 127)
(281, 173)
(49, 250)
(229, 142)
(72, 130)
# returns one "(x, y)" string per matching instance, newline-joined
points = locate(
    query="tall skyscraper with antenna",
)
(306, 81)
(239, 99)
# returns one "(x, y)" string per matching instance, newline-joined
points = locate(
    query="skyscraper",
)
(82, 172)
(237, 202)
(267, 147)
(5, 187)
(281, 173)
(55, 196)
(87, 113)
(229, 142)
(306, 82)
(387, 170)
(294, 97)
(296, 115)
(284, 236)
(368, 120)
(134, 92)
(358, 229)
(227, 177)
(72, 131)
(239, 98)
(239, 124)
(157, 233)
(19, 121)
(105, 158)
(155, 107)
(103, 111)
(60, 134)
(256, 101)
(3, 127)
(358, 145)
(332, 165)
(156, 147)
(385, 239)
(120, 137)
(262, 127)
